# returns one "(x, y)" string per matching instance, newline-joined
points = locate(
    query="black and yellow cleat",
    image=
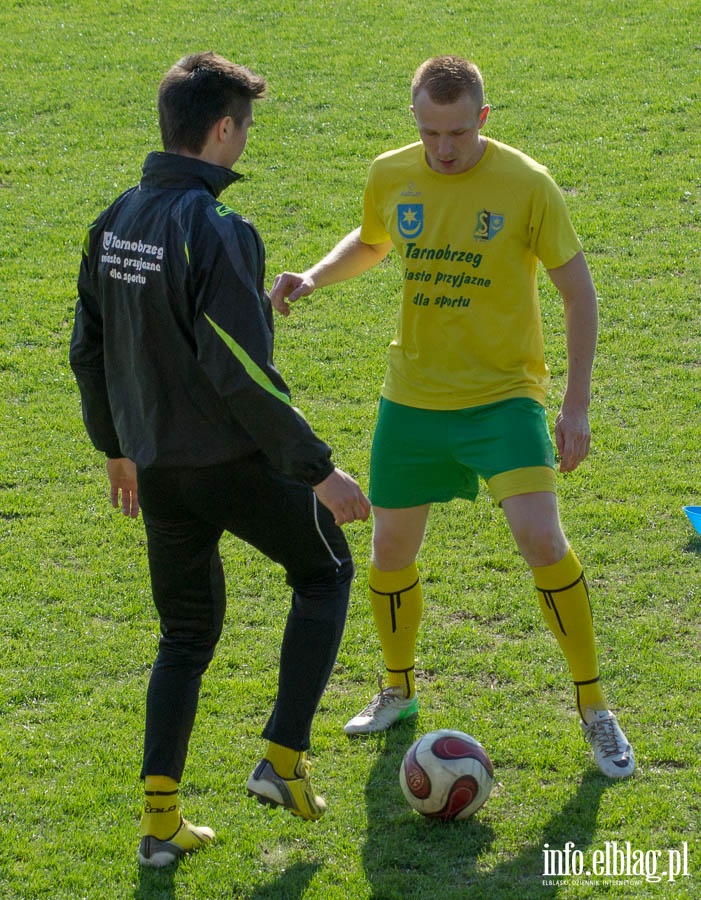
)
(295, 794)
(188, 838)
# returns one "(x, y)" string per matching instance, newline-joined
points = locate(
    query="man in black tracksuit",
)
(172, 350)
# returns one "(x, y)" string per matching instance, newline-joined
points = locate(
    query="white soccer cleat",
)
(613, 754)
(384, 710)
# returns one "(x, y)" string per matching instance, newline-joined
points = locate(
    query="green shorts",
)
(431, 456)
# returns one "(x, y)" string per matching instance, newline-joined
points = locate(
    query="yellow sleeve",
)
(373, 229)
(553, 238)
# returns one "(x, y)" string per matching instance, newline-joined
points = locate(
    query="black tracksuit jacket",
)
(172, 344)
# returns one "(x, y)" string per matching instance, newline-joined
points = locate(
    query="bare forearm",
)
(350, 257)
(575, 284)
(581, 326)
(572, 431)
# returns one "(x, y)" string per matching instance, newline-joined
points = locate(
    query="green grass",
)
(606, 94)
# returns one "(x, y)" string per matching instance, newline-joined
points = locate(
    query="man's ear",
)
(224, 127)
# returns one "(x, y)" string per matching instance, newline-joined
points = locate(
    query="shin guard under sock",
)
(397, 604)
(564, 601)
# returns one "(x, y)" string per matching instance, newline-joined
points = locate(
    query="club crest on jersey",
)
(410, 219)
(489, 224)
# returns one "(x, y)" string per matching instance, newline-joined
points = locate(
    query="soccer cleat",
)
(613, 754)
(295, 794)
(384, 710)
(188, 838)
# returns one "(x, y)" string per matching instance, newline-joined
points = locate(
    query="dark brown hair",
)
(199, 90)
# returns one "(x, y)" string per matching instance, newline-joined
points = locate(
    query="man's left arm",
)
(572, 431)
(233, 331)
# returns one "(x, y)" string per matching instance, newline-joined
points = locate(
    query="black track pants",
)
(185, 512)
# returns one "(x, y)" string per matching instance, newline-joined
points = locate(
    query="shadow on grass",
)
(292, 884)
(693, 546)
(522, 876)
(407, 856)
(156, 884)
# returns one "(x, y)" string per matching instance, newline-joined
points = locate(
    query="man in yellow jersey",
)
(466, 381)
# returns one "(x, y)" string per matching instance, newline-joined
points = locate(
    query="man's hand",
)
(122, 476)
(572, 436)
(288, 287)
(350, 257)
(342, 495)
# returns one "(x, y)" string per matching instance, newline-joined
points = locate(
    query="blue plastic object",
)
(694, 514)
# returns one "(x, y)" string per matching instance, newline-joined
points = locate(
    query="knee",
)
(193, 635)
(390, 553)
(188, 649)
(542, 546)
(324, 602)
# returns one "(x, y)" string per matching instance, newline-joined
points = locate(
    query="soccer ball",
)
(446, 774)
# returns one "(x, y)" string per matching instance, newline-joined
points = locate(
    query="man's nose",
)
(445, 147)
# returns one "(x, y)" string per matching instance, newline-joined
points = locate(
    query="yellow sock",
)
(283, 760)
(161, 817)
(397, 604)
(564, 601)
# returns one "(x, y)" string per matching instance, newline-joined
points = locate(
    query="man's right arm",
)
(350, 257)
(340, 493)
(86, 356)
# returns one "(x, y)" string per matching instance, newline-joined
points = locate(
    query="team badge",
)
(489, 224)
(410, 219)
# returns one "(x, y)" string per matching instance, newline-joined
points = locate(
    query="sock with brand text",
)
(161, 816)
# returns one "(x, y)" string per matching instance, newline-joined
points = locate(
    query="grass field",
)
(607, 95)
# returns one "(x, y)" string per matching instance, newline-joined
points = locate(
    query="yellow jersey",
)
(469, 329)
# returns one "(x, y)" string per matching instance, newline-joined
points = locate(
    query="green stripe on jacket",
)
(252, 370)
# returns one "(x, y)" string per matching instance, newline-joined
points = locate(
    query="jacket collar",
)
(171, 170)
